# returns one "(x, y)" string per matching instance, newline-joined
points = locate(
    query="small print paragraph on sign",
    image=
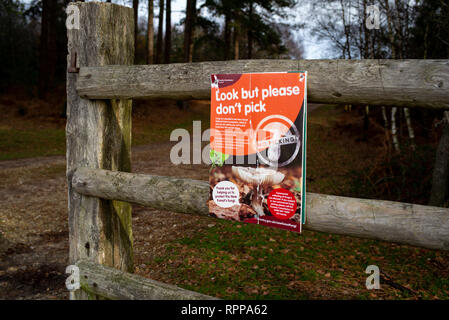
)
(226, 194)
(282, 203)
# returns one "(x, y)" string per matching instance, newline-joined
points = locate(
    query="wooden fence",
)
(101, 81)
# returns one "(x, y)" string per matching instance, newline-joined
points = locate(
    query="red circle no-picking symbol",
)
(282, 203)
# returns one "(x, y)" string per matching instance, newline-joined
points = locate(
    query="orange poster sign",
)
(258, 126)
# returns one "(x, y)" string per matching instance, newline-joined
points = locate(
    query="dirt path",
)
(33, 221)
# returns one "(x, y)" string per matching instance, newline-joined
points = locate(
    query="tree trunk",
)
(411, 132)
(150, 33)
(250, 34)
(390, 29)
(440, 182)
(394, 132)
(400, 53)
(347, 31)
(365, 123)
(188, 30)
(384, 116)
(236, 41)
(367, 52)
(167, 32)
(390, 25)
(227, 37)
(136, 18)
(160, 29)
(399, 29)
(47, 48)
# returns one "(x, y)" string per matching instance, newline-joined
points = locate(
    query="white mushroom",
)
(259, 178)
(258, 175)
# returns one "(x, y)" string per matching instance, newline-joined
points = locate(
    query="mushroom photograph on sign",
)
(258, 135)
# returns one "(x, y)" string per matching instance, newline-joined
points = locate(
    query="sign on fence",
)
(258, 135)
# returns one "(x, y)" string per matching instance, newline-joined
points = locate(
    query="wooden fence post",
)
(99, 136)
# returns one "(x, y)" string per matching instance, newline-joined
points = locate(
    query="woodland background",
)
(33, 54)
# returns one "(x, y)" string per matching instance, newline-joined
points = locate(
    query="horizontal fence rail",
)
(114, 284)
(405, 223)
(406, 83)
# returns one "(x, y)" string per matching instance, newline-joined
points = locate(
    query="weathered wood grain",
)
(99, 136)
(406, 223)
(171, 194)
(417, 225)
(114, 284)
(409, 83)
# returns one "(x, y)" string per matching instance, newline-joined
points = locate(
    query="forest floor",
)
(220, 258)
